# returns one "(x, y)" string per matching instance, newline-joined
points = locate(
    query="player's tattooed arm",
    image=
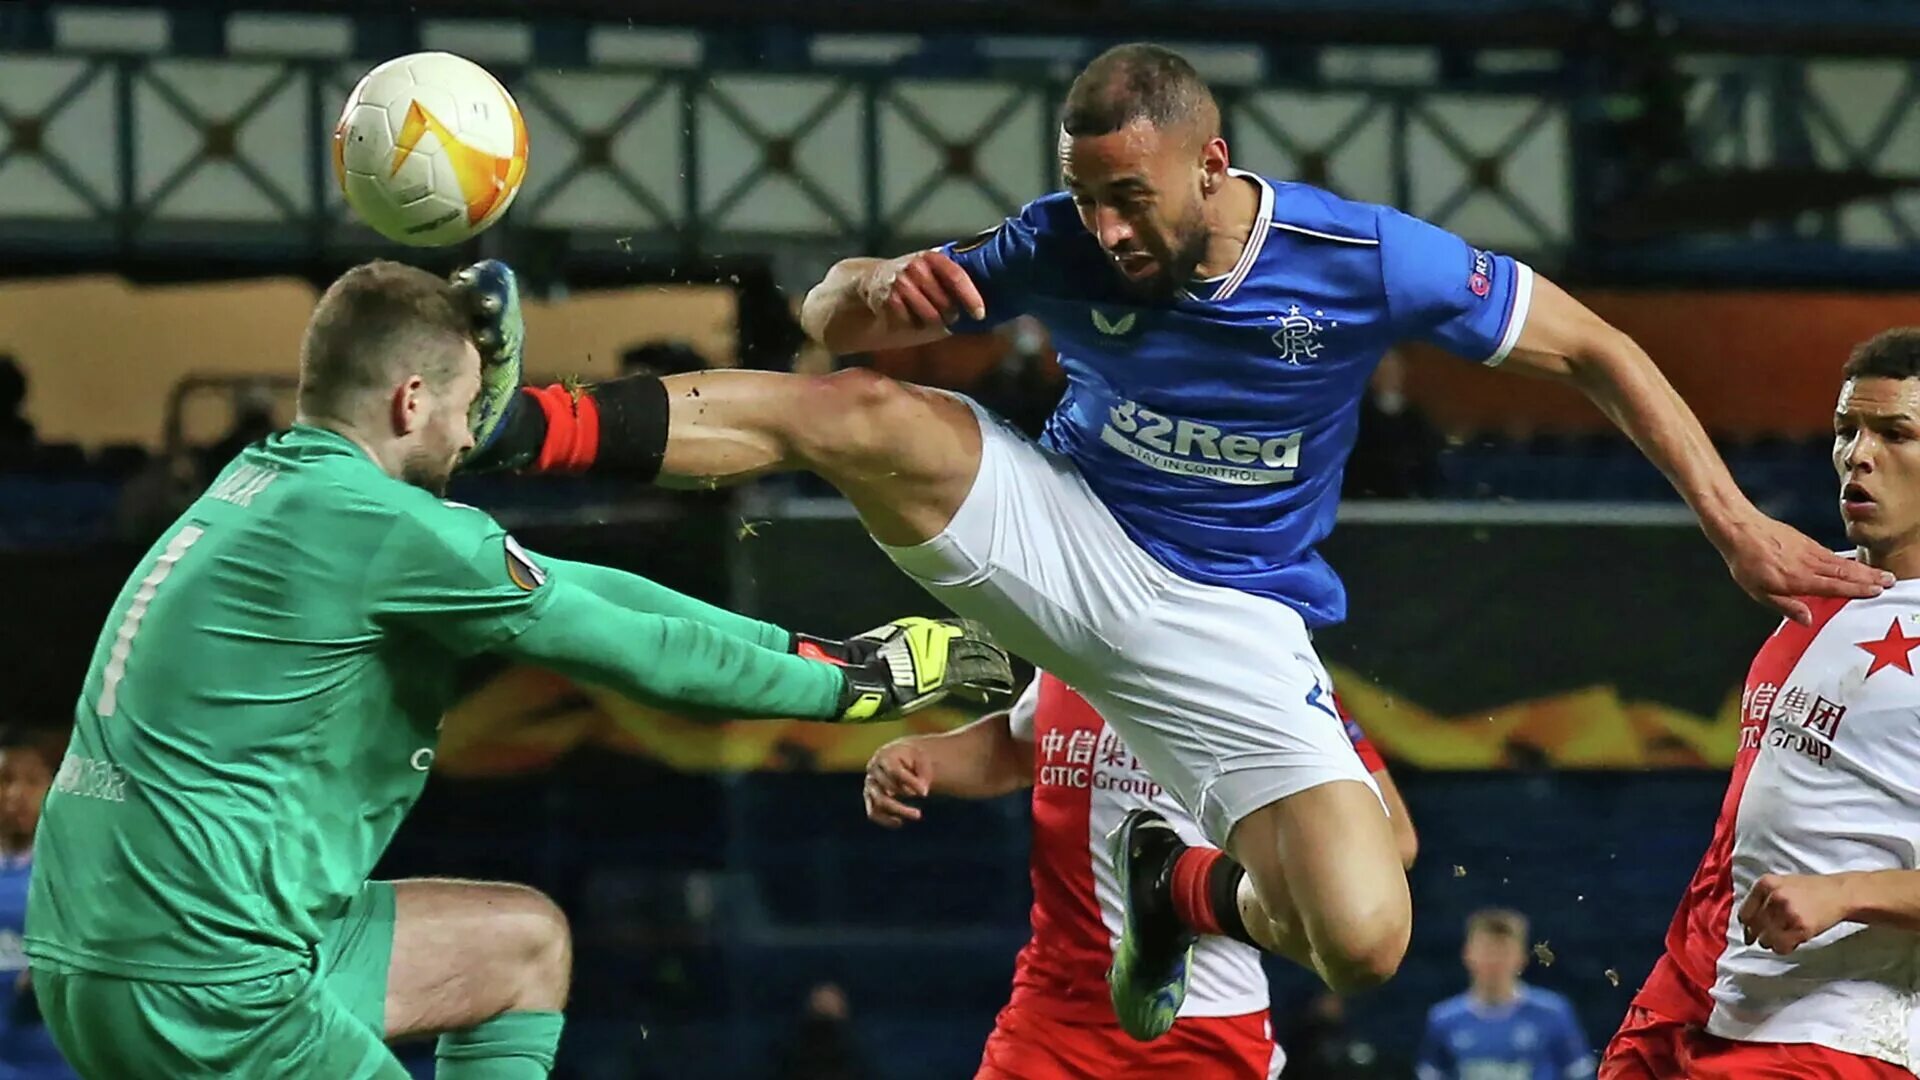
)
(1784, 911)
(982, 760)
(1777, 565)
(865, 304)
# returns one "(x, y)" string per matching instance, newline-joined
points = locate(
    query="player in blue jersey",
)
(1156, 549)
(27, 762)
(1501, 1028)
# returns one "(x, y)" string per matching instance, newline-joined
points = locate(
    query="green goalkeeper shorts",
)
(327, 1023)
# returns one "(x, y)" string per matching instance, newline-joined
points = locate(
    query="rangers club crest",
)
(1298, 338)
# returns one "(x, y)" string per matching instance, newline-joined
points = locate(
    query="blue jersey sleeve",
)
(1001, 263)
(1435, 1060)
(1443, 291)
(1571, 1054)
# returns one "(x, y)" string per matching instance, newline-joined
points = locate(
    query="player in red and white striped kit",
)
(1796, 949)
(1059, 1024)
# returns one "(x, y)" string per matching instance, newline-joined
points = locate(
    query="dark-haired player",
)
(1156, 549)
(1793, 952)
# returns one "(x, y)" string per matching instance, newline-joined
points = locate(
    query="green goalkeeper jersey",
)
(263, 706)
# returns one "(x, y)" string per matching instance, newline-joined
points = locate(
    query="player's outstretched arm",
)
(670, 660)
(865, 304)
(884, 674)
(636, 593)
(1776, 564)
(1884, 898)
(982, 760)
(450, 574)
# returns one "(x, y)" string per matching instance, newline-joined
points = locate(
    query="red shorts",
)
(1649, 1046)
(1025, 1046)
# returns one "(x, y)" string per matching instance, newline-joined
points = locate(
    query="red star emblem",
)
(1891, 651)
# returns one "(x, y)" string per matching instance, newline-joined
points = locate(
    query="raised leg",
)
(904, 455)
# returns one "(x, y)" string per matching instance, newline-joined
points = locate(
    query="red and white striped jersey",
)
(1827, 780)
(1085, 781)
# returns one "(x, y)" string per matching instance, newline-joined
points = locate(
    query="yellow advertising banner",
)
(526, 719)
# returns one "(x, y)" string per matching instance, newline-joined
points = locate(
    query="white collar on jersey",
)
(1256, 239)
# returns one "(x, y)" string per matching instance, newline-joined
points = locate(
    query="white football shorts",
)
(1218, 691)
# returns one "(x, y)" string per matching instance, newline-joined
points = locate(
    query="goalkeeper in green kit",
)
(264, 702)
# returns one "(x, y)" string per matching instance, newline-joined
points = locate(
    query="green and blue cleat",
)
(491, 296)
(1147, 981)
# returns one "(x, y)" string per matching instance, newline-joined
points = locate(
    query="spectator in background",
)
(1501, 1026)
(768, 320)
(660, 357)
(1025, 385)
(822, 1047)
(1320, 1046)
(1398, 452)
(1641, 127)
(16, 431)
(28, 760)
(159, 492)
(253, 420)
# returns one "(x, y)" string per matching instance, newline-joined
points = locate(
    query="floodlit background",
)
(1542, 643)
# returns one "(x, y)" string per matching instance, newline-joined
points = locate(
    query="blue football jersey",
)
(1534, 1037)
(1216, 426)
(26, 1050)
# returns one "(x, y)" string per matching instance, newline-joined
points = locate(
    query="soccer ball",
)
(430, 149)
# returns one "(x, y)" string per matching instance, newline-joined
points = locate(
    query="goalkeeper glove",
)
(491, 296)
(909, 664)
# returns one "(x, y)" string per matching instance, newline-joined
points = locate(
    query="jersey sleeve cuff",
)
(1516, 314)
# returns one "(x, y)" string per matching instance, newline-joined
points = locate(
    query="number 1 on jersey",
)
(136, 611)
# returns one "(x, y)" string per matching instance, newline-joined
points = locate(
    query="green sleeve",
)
(636, 593)
(671, 659)
(451, 572)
